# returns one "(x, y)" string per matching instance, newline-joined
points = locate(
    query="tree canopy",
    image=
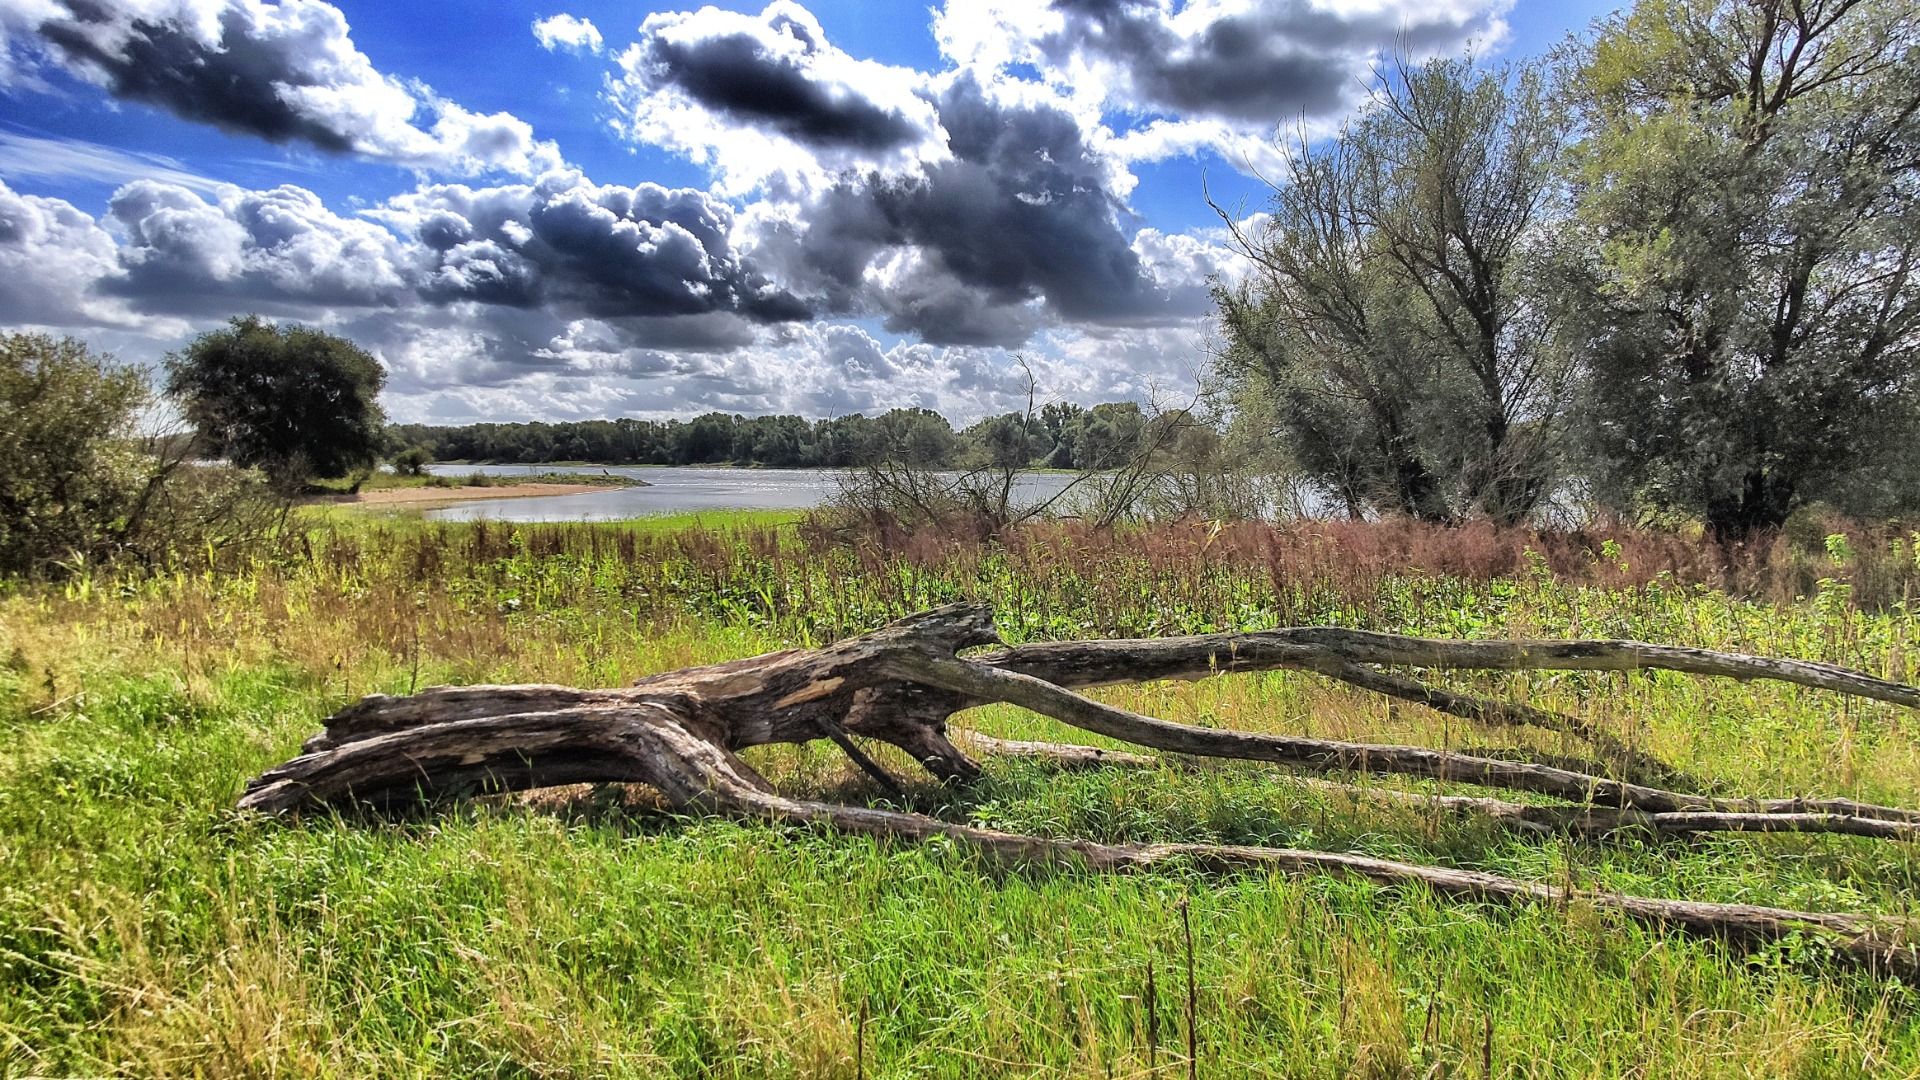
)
(1676, 266)
(80, 483)
(1389, 325)
(1748, 215)
(1058, 435)
(294, 401)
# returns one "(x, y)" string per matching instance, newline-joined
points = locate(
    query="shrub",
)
(79, 484)
(412, 461)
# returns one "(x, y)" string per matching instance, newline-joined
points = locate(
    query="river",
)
(676, 490)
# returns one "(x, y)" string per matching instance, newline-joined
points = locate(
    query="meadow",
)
(147, 928)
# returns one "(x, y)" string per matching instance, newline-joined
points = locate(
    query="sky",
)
(580, 209)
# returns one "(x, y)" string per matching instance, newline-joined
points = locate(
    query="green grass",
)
(723, 520)
(147, 929)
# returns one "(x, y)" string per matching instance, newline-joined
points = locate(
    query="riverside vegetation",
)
(147, 928)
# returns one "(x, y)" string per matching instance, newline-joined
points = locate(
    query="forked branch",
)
(680, 733)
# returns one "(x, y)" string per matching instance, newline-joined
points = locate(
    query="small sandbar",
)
(401, 496)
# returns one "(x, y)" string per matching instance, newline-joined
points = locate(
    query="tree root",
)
(680, 733)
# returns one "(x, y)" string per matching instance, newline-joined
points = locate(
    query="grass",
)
(146, 929)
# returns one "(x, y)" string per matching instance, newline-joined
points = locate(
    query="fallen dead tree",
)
(680, 733)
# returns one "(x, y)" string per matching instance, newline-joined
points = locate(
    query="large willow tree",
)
(1749, 207)
(1390, 331)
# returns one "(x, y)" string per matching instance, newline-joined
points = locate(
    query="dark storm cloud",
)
(1020, 212)
(656, 262)
(939, 308)
(776, 72)
(997, 218)
(1280, 60)
(287, 72)
(1022, 209)
(605, 251)
(738, 76)
(232, 82)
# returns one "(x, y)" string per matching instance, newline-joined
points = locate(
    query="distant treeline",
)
(1057, 436)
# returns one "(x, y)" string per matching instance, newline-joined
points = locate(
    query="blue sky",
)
(591, 208)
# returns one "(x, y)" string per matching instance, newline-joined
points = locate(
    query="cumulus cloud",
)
(768, 100)
(919, 295)
(608, 251)
(1186, 265)
(284, 72)
(1251, 63)
(185, 260)
(655, 265)
(52, 259)
(568, 32)
(1016, 224)
(874, 236)
(280, 249)
(590, 368)
(964, 210)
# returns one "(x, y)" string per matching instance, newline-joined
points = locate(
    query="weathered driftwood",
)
(680, 733)
(1536, 818)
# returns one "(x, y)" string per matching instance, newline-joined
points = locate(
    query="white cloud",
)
(190, 261)
(767, 103)
(248, 249)
(32, 157)
(1208, 74)
(568, 32)
(875, 236)
(53, 257)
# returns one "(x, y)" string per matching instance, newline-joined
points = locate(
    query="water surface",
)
(675, 490)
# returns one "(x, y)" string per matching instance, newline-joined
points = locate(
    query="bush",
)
(412, 461)
(80, 485)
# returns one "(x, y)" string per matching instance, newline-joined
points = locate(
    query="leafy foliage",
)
(1062, 436)
(1389, 331)
(70, 476)
(80, 485)
(412, 461)
(294, 401)
(1749, 217)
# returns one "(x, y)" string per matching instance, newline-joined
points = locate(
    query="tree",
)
(1110, 434)
(1010, 441)
(916, 437)
(69, 477)
(1749, 200)
(781, 441)
(706, 440)
(1391, 329)
(294, 401)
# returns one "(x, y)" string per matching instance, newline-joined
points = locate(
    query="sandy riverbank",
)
(402, 496)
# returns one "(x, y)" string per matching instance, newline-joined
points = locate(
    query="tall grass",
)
(146, 929)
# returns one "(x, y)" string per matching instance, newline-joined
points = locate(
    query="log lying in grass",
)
(1536, 818)
(680, 733)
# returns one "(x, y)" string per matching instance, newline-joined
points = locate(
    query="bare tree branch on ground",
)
(680, 733)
